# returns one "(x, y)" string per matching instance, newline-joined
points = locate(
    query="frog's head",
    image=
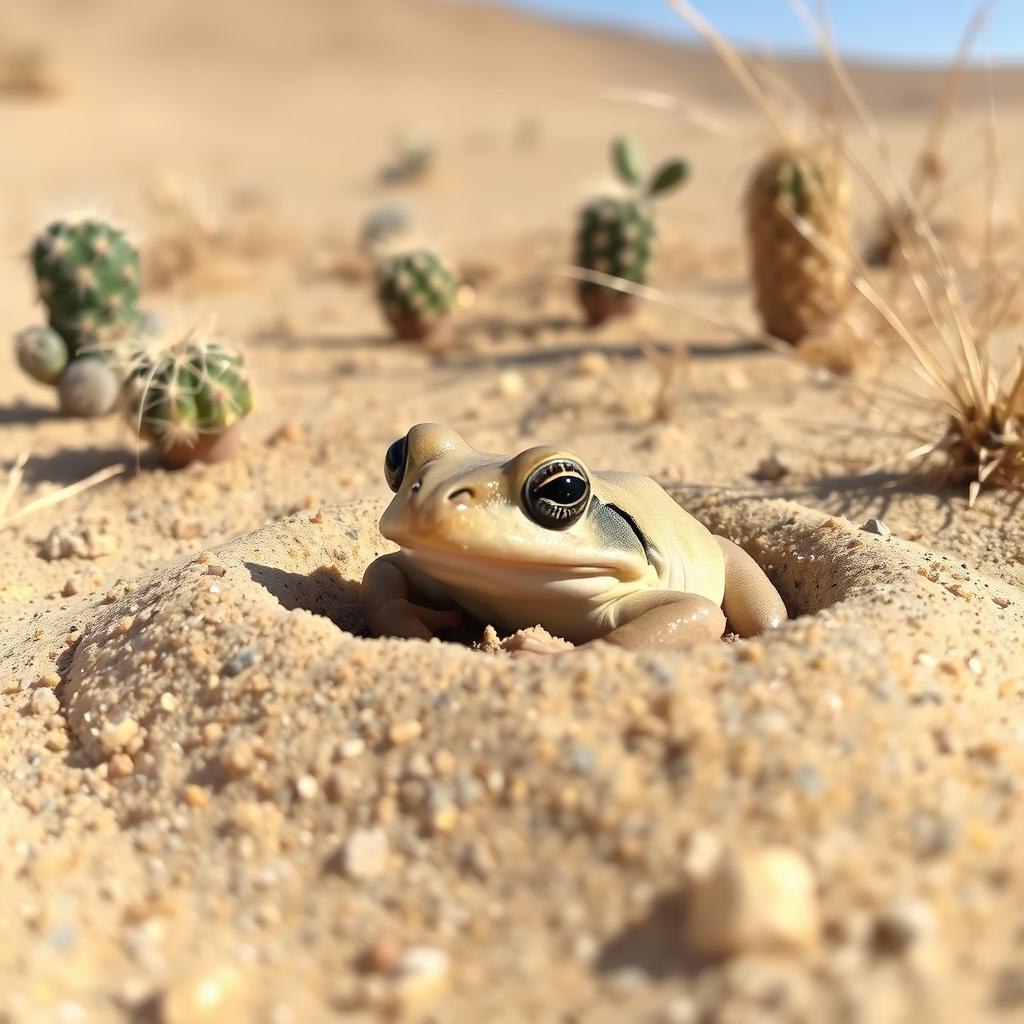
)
(460, 511)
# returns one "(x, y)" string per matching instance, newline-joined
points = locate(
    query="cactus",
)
(87, 273)
(384, 226)
(416, 290)
(189, 400)
(88, 387)
(42, 353)
(798, 223)
(616, 233)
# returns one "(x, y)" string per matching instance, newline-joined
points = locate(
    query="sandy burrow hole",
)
(273, 613)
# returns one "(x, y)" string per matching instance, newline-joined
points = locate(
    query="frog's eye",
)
(394, 463)
(556, 494)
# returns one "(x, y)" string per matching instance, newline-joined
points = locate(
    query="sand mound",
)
(531, 819)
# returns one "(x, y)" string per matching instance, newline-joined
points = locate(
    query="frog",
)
(540, 539)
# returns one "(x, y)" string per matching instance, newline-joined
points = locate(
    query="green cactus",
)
(616, 233)
(187, 398)
(87, 273)
(42, 353)
(416, 291)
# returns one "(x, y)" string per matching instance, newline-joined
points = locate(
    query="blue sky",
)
(920, 30)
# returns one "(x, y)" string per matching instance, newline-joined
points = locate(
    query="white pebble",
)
(115, 736)
(44, 703)
(366, 853)
(761, 900)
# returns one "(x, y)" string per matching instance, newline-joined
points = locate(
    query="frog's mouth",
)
(488, 571)
(443, 556)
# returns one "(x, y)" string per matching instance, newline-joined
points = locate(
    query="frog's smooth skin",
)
(540, 539)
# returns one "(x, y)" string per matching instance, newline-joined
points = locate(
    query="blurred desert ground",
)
(266, 124)
(268, 128)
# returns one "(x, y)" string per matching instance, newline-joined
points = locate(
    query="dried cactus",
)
(616, 233)
(416, 290)
(798, 224)
(188, 400)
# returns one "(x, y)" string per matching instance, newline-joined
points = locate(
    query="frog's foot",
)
(410, 621)
(527, 643)
(666, 619)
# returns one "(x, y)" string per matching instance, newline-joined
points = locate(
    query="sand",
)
(219, 801)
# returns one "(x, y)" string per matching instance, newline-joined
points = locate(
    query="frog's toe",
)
(524, 644)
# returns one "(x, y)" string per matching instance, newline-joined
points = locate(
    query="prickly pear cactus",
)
(189, 400)
(416, 291)
(42, 353)
(616, 234)
(798, 224)
(87, 273)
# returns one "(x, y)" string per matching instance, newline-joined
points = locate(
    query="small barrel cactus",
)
(798, 225)
(616, 233)
(42, 353)
(87, 273)
(416, 290)
(189, 400)
(88, 387)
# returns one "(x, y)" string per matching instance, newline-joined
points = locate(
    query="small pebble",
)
(366, 853)
(207, 995)
(764, 900)
(44, 703)
(115, 736)
(306, 787)
(418, 980)
(405, 732)
(770, 469)
(901, 926)
(877, 527)
(239, 662)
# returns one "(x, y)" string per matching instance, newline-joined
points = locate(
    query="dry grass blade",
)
(14, 478)
(57, 497)
(731, 58)
(645, 291)
(981, 437)
(665, 101)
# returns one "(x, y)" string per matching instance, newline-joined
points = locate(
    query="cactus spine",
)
(416, 291)
(798, 224)
(616, 233)
(189, 400)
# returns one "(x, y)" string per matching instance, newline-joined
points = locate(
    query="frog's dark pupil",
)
(563, 490)
(556, 494)
(394, 464)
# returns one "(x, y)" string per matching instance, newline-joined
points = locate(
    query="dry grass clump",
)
(983, 441)
(194, 248)
(976, 405)
(929, 180)
(27, 70)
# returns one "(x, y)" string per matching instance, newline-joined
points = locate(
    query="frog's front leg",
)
(654, 618)
(384, 599)
(665, 618)
(751, 603)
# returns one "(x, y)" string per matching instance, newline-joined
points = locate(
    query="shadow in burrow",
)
(652, 944)
(323, 592)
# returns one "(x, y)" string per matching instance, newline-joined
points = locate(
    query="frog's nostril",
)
(461, 496)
